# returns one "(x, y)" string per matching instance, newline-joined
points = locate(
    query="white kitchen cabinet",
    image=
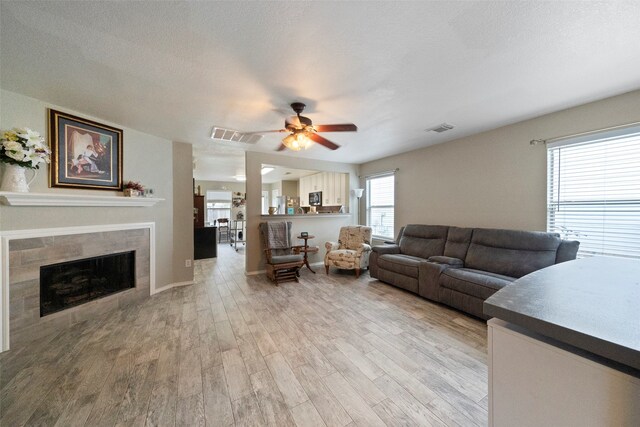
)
(342, 193)
(328, 195)
(304, 185)
(332, 184)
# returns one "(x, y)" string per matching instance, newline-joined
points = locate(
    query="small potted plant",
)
(133, 189)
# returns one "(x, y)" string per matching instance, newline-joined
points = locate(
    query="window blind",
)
(594, 192)
(380, 204)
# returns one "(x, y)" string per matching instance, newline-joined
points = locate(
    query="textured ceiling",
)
(175, 69)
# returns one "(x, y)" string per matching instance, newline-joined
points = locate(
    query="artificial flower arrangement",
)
(133, 189)
(24, 147)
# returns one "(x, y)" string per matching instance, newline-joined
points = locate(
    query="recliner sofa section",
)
(461, 267)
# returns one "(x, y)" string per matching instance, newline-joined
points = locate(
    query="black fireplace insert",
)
(72, 283)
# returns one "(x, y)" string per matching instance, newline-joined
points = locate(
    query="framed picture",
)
(315, 198)
(84, 153)
(304, 234)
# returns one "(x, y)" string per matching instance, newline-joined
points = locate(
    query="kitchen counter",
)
(318, 215)
(592, 304)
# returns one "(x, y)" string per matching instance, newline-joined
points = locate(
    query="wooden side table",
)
(306, 250)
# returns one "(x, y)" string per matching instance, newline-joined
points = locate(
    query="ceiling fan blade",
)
(323, 141)
(281, 147)
(345, 127)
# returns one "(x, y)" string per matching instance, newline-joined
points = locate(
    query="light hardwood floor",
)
(236, 350)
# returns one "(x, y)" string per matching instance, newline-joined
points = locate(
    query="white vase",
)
(15, 179)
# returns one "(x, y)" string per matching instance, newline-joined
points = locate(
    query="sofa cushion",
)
(423, 241)
(480, 284)
(455, 262)
(467, 303)
(458, 240)
(399, 280)
(400, 263)
(512, 253)
(567, 251)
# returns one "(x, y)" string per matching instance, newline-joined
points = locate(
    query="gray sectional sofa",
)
(461, 267)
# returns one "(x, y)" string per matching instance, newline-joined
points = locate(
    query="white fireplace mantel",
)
(64, 199)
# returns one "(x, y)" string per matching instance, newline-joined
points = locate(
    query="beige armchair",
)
(351, 251)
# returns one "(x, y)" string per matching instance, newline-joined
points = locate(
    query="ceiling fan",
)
(302, 132)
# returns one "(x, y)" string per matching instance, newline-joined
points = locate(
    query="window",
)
(594, 191)
(380, 204)
(218, 205)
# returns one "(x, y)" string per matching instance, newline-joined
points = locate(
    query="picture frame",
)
(315, 198)
(84, 153)
(304, 234)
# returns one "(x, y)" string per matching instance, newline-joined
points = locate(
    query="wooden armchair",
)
(282, 263)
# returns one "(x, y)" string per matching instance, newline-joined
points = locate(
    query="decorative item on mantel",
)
(133, 189)
(21, 149)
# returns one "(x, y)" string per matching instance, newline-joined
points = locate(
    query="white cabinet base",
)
(533, 382)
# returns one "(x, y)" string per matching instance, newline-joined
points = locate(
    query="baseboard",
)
(171, 286)
(255, 273)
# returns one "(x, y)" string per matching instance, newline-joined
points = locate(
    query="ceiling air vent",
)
(442, 127)
(235, 136)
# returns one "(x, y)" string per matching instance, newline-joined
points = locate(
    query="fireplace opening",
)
(72, 283)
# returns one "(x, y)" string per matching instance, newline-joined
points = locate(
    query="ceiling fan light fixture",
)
(297, 141)
(291, 142)
(303, 140)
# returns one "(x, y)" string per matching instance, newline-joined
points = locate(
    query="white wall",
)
(147, 158)
(290, 188)
(233, 186)
(182, 212)
(496, 178)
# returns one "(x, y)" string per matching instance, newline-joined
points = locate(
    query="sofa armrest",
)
(332, 246)
(429, 279)
(386, 249)
(453, 262)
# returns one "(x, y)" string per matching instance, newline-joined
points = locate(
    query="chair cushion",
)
(402, 264)
(346, 255)
(282, 259)
(480, 284)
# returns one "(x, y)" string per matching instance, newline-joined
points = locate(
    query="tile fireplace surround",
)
(23, 252)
